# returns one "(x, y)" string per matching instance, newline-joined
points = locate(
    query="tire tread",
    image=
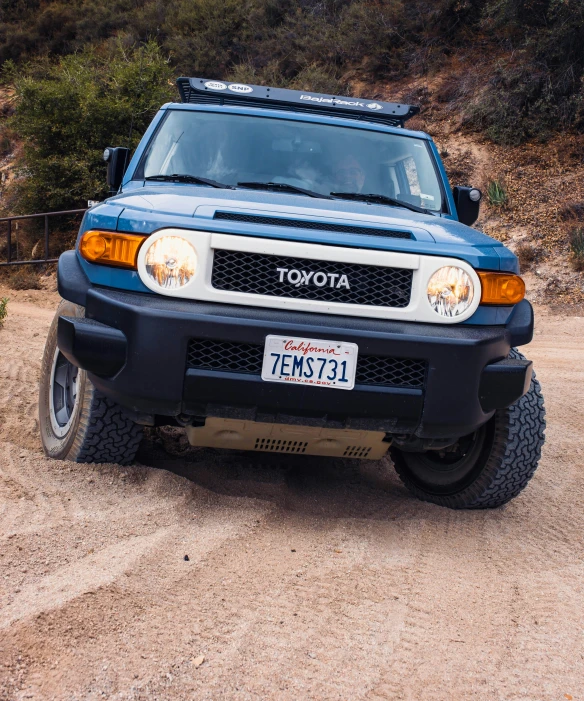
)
(515, 454)
(105, 433)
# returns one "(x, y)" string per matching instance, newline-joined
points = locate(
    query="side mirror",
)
(117, 160)
(467, 201)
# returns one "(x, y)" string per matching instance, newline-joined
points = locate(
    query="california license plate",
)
(309, 361)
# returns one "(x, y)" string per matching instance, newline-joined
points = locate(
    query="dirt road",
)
(305, 579)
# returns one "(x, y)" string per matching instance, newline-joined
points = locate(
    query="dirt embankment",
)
(543, 183)
(305, 579)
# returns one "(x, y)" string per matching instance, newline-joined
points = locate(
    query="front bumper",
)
(135, 347)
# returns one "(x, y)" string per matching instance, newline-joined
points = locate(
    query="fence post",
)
(9, 239)
(46, 237)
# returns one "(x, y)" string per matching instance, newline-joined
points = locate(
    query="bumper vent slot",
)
(257, 273)
(247, 358)
(356, 451)
(312, 225)
(274, 445)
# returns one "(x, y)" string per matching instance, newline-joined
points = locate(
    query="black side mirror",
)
(117, 160)
(467, 201)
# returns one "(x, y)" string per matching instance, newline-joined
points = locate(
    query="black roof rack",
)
(220, 92)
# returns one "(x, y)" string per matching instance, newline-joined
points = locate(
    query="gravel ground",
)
(306, 578)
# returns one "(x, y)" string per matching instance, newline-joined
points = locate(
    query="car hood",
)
(202, 202)
(146, 209)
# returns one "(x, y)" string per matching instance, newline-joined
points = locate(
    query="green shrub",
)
(577, 249)
(314, 78)
(519, 103)
(538, 89)
(525, 58)
(3, 310)
(66, 113)
(270, 74)
(206, 36)
(496, 193)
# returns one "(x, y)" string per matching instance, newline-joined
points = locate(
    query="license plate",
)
(309, 361)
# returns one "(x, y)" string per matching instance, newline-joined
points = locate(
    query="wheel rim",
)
(447, 471)
(63, 394)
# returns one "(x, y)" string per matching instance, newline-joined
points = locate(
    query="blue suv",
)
(291, 272)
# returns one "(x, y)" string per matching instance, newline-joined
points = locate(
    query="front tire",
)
(77, 422)
(487, 468)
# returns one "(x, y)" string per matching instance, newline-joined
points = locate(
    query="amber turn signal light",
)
(501, 288)
(110, 248)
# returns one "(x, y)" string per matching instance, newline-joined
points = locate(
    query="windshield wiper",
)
(284, 187)
(379, 199)
(183, 178)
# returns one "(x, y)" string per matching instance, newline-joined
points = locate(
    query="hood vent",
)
(314, 225)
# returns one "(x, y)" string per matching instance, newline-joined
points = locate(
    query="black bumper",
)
(135, 345)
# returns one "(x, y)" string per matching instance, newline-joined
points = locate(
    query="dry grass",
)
(459, 166)
(23, 278)
(577, 249)
(527, 255)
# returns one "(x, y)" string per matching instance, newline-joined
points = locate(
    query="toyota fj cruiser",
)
(291, 272)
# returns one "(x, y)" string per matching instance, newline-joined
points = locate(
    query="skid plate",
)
(281, 438)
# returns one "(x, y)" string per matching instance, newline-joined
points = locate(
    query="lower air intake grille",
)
(225, 356)
(314, 225)
(246, 358)
(350, 283)
(390, 372)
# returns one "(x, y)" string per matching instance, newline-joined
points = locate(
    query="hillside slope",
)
(543, 183)
(500, 82)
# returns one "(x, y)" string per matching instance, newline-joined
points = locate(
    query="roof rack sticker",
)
(204, 91)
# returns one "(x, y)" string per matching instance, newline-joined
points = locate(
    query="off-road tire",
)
(511, 447)
(98, 430)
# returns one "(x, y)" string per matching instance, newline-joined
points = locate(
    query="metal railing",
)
(10, 231)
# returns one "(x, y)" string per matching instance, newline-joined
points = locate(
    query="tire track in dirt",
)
(440, 608)
(85, 575)
(306, 578)
(20, 363)
(539, 557)
(132, 582)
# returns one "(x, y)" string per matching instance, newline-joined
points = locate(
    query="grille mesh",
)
(246, 358)
(257, 273)
(225, 356)
(397, 372)
(315, 225)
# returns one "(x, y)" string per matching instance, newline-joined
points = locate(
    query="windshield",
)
(231, 149)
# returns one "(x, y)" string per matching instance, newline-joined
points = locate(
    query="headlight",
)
(171, 262)
(450, 291)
